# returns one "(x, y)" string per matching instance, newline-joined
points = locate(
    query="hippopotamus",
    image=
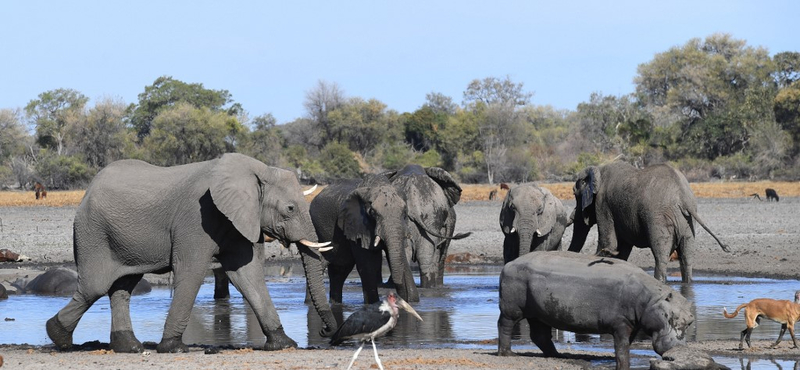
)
(588, 294)
(62, 281)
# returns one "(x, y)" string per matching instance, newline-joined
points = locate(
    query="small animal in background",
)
(493, 194)
(503, 186)
(40, 190)
(771, 195)
(784, 312)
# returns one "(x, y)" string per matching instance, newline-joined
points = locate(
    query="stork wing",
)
(362, 322)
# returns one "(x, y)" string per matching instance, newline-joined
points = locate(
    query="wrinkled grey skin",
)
(62, 281)
(653, 207)
(137, 218)
(430, 194)
(532, 219)
(355, 215)
(588, 294)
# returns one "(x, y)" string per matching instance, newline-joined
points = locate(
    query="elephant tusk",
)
(513, 230)
(309, 191)
(377, 240)
(311, 244)
(537, 233)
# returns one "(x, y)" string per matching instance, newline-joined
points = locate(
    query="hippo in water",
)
(589, 294)
(62, 281)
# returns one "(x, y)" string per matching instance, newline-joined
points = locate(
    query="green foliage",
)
(586, 159)
(393, 156)
(338, 162)
(185, 134)
(62, 171)
(265, 142)
(787, 113)
(430, 158)
(12, 135)
(166, 92)
(103, 137)
(53, 113)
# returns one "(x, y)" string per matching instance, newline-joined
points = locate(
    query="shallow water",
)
(461, 315)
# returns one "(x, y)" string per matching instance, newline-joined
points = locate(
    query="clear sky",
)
(267, 54)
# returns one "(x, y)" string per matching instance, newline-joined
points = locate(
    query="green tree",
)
(496, 102)
(12, 135)
(787, 113)
(339, 162)
(320, 101)
(265, 142)
(363, 125)
(53, 113)
(787, 68)
(104, 137)
(165, 92)
(185, 134)
(713, 90)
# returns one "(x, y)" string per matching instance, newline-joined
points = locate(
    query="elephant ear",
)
(507, 214)
(235, 187)
(592, 179)
(451, 189)
(354, 221)
(550, 213)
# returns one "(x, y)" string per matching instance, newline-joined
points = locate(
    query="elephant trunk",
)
(580, 230)
(312, 263)
(526, 236)
(402, 277)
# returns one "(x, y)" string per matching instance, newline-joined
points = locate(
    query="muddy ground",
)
(763, 237)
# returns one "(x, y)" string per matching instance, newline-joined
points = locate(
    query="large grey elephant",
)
(652, 207)
(430, 194)
(532, 219)
(363, 218)
(588, 294)
(137, 218)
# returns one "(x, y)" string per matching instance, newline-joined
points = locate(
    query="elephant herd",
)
(137, 218)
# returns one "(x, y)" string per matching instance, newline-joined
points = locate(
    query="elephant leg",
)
(686, 254)
(122, 338)
(428, 265)
(368, 264)
(622, 346)
(542, 337)
(188, 278)
(221, 284)
(441, 253)
(249, 280)
(624, 250)
(337, 275)
(90, 288)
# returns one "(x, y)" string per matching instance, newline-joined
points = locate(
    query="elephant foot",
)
(172, 345)
(506, 352)
(59, 334)
(124, 341)
(428, 280)
(278, 340)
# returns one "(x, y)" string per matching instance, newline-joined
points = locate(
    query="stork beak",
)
(404, 305)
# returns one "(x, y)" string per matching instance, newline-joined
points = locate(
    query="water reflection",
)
(461, 315)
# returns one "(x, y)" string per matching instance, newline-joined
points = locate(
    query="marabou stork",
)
(370, 322)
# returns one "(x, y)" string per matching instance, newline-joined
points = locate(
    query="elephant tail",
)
(735, 313)
(703, 224)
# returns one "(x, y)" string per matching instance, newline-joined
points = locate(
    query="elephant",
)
(362, 219)
(430, 194)
(652, 207)
(532, 219)
(137, 218)
(588, 294)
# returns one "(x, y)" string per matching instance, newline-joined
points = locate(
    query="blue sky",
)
(268, 54)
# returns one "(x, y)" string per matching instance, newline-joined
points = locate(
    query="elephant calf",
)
(588, 294)
(532, 219)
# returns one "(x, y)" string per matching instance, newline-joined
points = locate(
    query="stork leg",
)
(375, 349)
(355, 355)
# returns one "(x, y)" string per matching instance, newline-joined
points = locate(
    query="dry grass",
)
(562, 190)
(27, 198)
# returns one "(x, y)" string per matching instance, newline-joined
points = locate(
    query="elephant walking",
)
(138, 218)
(653, 207)
(532, 219)
(363, 219)
(430, 194)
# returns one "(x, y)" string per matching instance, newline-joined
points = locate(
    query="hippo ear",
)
(235, 186)
(451, 189)
(354, 219)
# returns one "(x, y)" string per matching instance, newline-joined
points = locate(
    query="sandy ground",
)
(763, 236)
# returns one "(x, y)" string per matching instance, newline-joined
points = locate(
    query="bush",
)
(339, 162)
(63, 172)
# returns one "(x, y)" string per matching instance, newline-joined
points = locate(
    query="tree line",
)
(714, 107)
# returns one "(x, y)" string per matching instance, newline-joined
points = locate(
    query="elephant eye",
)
(290, 208)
